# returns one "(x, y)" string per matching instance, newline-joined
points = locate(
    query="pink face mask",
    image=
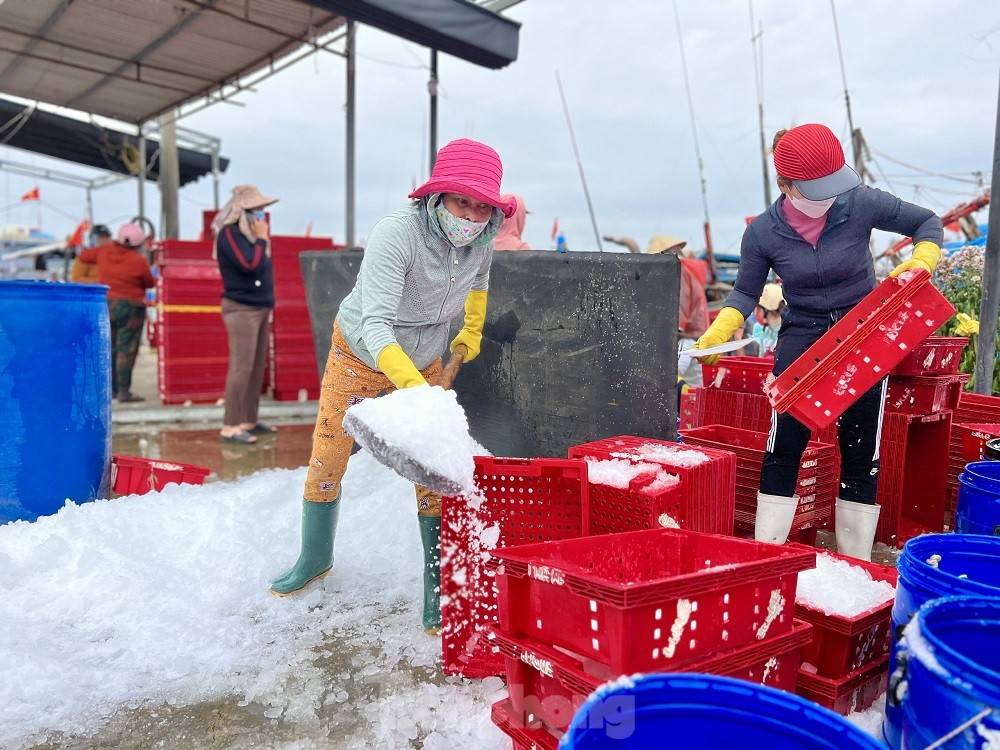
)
(812, 209)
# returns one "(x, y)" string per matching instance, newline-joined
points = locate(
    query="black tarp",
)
(576, 347)
(90, 145)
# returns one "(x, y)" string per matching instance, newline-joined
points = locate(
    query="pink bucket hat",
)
(470, 168)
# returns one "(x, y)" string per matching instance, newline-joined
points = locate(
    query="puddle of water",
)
(287, 449)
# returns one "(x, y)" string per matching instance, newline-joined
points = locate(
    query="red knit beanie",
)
(812, 159)
(469, 168)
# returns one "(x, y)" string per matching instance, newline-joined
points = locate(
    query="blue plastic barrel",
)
(952, 665)
(978, 510)
(55, 396)
(933, 566)
(705, 711)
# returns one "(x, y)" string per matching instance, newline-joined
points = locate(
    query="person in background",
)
(125, 271)
(767, 319)
(815, 238)
(423, 266)
(243, 250)
(509, 236)
(86, 273)
(692, 316)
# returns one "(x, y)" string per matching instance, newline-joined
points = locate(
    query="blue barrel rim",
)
(988, 471)
(39, 288)
(958, 666)
(916, 551)
(801, 715)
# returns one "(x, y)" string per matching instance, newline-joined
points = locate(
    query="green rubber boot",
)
(319, 525)
(430, 535)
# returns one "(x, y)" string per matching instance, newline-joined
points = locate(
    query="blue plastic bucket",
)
(55, 396)
(978, 510)
(933, 566)
(952, 656)
(706, 711)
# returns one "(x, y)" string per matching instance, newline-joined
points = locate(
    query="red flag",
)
(79, 234)
(555, 228)
(31, 195)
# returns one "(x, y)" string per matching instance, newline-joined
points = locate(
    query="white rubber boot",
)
(774, 517)
(856, 524)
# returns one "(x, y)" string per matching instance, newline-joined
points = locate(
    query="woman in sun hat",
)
(815, 237)
(423, 266)
(243, 250)
(127, 275)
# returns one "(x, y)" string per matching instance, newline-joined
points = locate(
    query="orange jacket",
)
(123, 269)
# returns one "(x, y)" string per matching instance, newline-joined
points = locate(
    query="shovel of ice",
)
(419, 432)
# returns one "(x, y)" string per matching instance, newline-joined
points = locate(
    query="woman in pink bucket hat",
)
(815, 237)
(423, 266)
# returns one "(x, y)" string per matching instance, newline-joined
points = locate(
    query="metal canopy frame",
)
(133, 61)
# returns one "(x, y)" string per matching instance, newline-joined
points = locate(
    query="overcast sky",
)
(922, 77)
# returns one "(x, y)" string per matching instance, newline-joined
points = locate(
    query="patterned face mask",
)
(460, 232)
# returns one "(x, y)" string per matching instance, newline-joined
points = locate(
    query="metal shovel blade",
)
(398, 460)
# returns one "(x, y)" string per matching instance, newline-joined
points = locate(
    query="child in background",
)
(767, 320)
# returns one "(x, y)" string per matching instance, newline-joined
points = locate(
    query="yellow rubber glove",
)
(728, 321)
(925, 255)
(399, 368)
(472, 332)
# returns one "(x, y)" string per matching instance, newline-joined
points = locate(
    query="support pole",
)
(432, 88)
(986, 341)
(215, 177)
(142, 170)
(349, 156)
(170, 171)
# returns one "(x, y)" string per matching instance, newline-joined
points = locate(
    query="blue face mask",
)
(460, 232)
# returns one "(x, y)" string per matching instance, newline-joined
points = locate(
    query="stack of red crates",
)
(922, 392)
(817, 480)
(975, 420)
(702, 500)
(577, 613)
(845, 667)
(192, 351)
(294, 370)
(521, 501)
(733, 395)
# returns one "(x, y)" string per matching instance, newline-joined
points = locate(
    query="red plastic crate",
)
(132, 475)
(977, 407)
(855, 691)
(688, 415)
(938, 355)
(924, 394)
(522, 736)
(707, 489)
(973, 438)
(913, 475)
(640, 600)
(844, 644)
(860, 349)
(747, 411)
(634, 508)
(749, 445)
(527, 501)
(743, 374)
(548, 685)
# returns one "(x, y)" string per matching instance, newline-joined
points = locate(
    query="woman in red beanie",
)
(423, 266)
(815, 237)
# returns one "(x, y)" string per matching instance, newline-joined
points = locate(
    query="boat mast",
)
(709, 255)
(758, 56)
(858, 145)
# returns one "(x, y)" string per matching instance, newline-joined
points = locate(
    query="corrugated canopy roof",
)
(135, 59)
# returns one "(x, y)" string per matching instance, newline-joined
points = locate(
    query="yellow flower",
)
(967, 325)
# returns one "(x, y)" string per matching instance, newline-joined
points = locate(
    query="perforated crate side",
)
(913, 475)
(526, 501)
(855, 691)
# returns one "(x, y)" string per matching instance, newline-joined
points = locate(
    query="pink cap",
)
(469, 168)
(131, 235)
